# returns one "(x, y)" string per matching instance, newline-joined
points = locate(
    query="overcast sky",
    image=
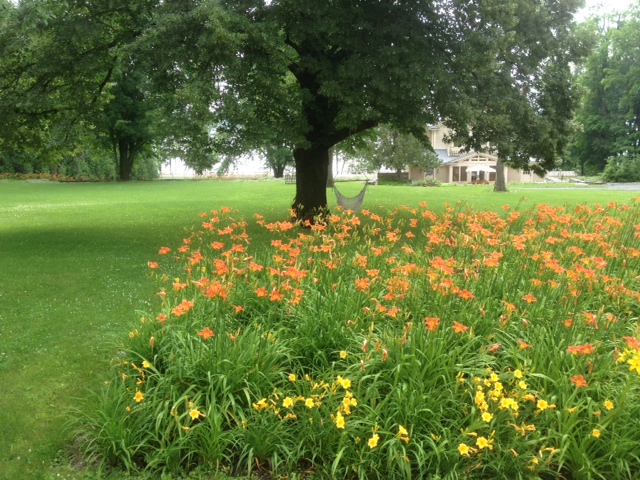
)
(605, 6)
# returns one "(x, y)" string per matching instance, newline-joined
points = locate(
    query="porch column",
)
(451, 167)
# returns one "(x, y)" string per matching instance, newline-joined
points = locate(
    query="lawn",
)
(74, 276)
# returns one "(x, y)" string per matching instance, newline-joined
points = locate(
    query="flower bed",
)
(463, 345)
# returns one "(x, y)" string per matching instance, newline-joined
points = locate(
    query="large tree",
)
(318, 72)
(495, 71)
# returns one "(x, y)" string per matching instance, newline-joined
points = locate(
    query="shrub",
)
(622, 169)
(428, 182)
(12, 163)
(87, 164)
(147, 167)
(405, 345)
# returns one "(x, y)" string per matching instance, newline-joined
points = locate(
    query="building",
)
(465, 167)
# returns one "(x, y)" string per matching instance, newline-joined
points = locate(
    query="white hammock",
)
(354, 204)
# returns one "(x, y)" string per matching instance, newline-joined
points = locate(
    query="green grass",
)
(73, 274)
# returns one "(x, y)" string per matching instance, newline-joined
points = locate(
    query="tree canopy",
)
(65, 74)
(385, 147)
(609, 114)
(497, 71)
(307, 74)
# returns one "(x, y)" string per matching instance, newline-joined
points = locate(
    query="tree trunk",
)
(312, 166)
(278, 170)
(126, 153)
(330, 168)
(501, 184)
(124, 170)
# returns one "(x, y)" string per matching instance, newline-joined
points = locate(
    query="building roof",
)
(444, 156)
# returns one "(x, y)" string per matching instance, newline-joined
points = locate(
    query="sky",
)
(605, 6)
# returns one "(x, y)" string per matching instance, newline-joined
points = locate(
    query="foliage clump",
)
(622, 169)
(428, 182)
(406, 345)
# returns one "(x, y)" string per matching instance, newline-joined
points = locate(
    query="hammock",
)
(354, 204)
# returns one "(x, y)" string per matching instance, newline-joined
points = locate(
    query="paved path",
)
(632, 187)
(624, 186)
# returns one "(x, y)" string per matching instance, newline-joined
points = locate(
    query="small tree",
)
(386, 147)
(277, 159)
(127, 121)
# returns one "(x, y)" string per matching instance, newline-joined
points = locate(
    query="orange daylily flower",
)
(195, 258)
(432, 324)
(579, 381)
(466, 295)
(184, 307)
(254, 267)
(276, 295)
(459, 328)
(493, 260)
(581, 349)
(177, 286)
(632, 343)
(221, 267)
(524, 345)
(216, 290)
(362, 284)
(206, 333)
(509, 307)
(237, 249)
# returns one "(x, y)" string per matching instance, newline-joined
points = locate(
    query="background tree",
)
(126, 123)
(189, 49)
(65, 75)
(608, 140)
(277, 158)
(595, 139)
(623, 77)
(385, 147)
(519, 100)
